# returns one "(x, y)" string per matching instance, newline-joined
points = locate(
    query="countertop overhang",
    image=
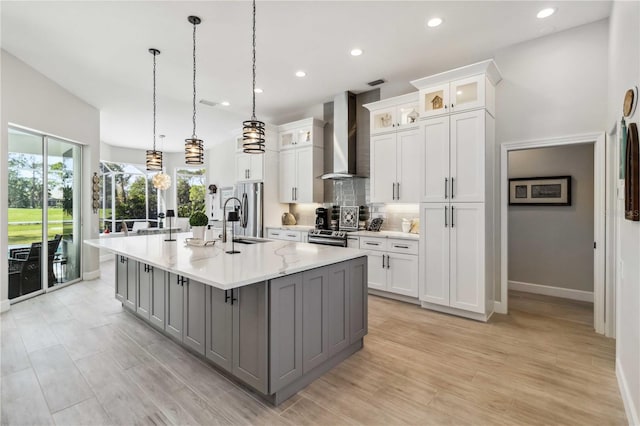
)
(212, 266)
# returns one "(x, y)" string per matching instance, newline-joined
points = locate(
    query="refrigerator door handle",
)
(245, 205)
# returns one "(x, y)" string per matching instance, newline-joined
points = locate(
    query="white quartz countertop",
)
(386, 234)
(212, 266)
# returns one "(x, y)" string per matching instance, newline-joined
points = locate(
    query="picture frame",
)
(540, 191)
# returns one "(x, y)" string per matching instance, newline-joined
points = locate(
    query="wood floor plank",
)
(60, 380)
(13, 355)
(88, 412)
(22, 400)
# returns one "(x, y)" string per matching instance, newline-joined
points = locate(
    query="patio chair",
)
(24, 268)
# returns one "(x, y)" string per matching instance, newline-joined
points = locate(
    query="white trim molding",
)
(499, 307)
(5, 305)
(633, 417)
(91, 275)
(547, 290)
(599, 218)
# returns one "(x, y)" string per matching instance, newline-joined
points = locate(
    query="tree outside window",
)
(190, 191)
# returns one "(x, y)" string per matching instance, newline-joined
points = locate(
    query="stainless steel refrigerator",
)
(250, 224)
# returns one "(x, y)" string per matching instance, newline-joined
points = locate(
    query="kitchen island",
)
(275, 316)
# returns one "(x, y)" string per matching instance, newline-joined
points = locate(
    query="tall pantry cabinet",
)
(458, 212)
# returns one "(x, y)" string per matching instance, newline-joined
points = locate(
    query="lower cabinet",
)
(315, 315)
(185, 311)
(236, 332)
(150, 294)
(393, 265)
(126, 281)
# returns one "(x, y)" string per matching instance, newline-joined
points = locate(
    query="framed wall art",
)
(540, 191)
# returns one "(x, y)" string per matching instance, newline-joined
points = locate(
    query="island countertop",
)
(212, 266)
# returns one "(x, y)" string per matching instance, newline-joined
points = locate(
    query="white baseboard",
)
(91, 275)
(394, 296)
(457, 312)
(633, 417)
(565, 293)
(499, 307)
(5, 305)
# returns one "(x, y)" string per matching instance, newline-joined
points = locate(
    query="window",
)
(190, 191)
(127, 196)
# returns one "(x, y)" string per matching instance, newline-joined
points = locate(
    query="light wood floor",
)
(73, 357)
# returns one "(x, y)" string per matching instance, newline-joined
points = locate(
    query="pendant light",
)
(253, 130)
(194, 147)
(154, 158)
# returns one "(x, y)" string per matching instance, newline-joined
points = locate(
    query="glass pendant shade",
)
(154, 160)
(253, 137)
(194, 151)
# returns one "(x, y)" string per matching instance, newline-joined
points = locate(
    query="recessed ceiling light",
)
(434, 22)
(459, 92)
(225, 103)
(356, 52)
(545, 13)
(257, 90)
(300, 74)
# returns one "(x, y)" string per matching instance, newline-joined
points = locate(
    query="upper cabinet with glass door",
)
(301, 133)
(392, 114)
(458, 90)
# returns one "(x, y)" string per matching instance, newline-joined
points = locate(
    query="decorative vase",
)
(406, 225)
(198, 232)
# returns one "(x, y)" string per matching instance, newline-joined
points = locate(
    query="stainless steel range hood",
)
(344, 137)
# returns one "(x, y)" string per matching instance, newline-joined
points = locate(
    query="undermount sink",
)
(248, 240)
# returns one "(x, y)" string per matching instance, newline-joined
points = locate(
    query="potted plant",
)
(198, 222)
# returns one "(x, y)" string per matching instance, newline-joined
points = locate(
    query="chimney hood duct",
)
(344, 137)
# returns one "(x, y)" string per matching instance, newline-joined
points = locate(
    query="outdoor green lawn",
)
(23, 234)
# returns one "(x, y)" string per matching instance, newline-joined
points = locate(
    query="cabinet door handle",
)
(369, 243)
(388, 262)
(452, 214)
(291, 235)
(402, 247)
(451, 105)
(292, 194)
(452, 196)
(446, 188)
(446, 216)
(393, 190)
(233, 299)
(445, 107)
(296, 188)
(383, 262)
(226, 296)
(398, 190)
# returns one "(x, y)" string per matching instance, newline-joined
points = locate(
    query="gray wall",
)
(553, 245)
(552, 86)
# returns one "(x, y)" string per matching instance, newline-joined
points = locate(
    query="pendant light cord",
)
(253, 115)
(154, 101)
(194, 82)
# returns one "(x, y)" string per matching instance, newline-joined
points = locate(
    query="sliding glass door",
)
(44, 212)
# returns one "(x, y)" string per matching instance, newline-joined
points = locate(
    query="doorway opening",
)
(43, 228)
(553, 250)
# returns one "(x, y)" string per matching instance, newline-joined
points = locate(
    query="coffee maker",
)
(322, 218)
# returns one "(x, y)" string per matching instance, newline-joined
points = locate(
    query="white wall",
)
(624, 72)
(552, 86)
(553, 245)
(31, 100)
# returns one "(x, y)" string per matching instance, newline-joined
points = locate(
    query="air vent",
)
(209, 103)
(376, 82)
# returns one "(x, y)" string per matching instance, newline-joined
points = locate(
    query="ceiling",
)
(98, 51)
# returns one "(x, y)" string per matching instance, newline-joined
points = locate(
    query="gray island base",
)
(275, 336)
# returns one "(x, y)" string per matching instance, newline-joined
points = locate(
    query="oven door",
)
(336, 242)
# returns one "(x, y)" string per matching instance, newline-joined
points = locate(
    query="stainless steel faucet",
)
(224, 217)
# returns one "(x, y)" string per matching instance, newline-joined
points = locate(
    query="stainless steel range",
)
(328, 238)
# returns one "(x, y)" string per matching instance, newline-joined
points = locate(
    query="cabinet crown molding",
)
(487, 67)
(396, 100)
(301, 123)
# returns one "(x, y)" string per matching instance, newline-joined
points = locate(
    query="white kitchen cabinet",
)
(454, 158)
(456, 96)
(452, 252)
(299, 172)
(301, 133)
(353, 242)
(284, 234)
(392, 265)
(394, 114)
(395, 164)
(249, 167)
